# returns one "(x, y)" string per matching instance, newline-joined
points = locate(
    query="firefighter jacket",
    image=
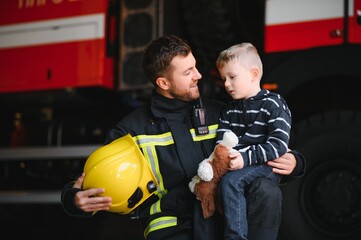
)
(165, 131)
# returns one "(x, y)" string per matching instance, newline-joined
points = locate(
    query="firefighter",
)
(175, 131)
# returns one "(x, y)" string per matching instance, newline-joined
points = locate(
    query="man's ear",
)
(163, 83)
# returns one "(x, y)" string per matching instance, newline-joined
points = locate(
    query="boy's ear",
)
(163, 83)
(255, 72)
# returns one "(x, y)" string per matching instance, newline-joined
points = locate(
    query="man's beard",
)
(185, 96)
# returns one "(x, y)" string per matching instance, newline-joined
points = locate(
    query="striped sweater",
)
(262, 124)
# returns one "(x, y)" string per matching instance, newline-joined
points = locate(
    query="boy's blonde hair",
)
(244, 53)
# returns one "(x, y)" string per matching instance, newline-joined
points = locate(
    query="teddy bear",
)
(204, 185)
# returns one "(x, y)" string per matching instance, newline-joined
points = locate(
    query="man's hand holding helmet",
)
(89, 200)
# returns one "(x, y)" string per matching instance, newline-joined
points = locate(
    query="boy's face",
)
(240, 82)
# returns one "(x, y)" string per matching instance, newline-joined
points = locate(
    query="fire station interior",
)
(46, 135)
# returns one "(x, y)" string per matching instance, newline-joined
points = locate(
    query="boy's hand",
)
(237, 161)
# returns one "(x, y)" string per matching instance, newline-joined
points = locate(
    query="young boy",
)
(262, 122)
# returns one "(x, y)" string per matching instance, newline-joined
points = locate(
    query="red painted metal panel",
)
(302, 35)
(78, 63)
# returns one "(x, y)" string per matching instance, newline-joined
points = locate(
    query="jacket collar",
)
(162, 107)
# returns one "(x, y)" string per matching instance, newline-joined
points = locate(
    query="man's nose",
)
(198, 75)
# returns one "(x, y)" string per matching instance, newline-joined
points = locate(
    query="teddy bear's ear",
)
(230, 139)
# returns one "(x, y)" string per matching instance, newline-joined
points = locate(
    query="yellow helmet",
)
(121, 169)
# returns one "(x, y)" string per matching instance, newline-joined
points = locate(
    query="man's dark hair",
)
(159, 54)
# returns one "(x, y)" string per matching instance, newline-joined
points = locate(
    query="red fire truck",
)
(69, 69)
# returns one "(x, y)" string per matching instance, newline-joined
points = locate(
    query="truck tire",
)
(325, 203)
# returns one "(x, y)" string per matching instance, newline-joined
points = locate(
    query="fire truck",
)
(70, 69)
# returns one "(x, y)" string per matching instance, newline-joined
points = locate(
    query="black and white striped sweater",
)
(262, 124)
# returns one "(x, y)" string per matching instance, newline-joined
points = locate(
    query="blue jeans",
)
(232, 193)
